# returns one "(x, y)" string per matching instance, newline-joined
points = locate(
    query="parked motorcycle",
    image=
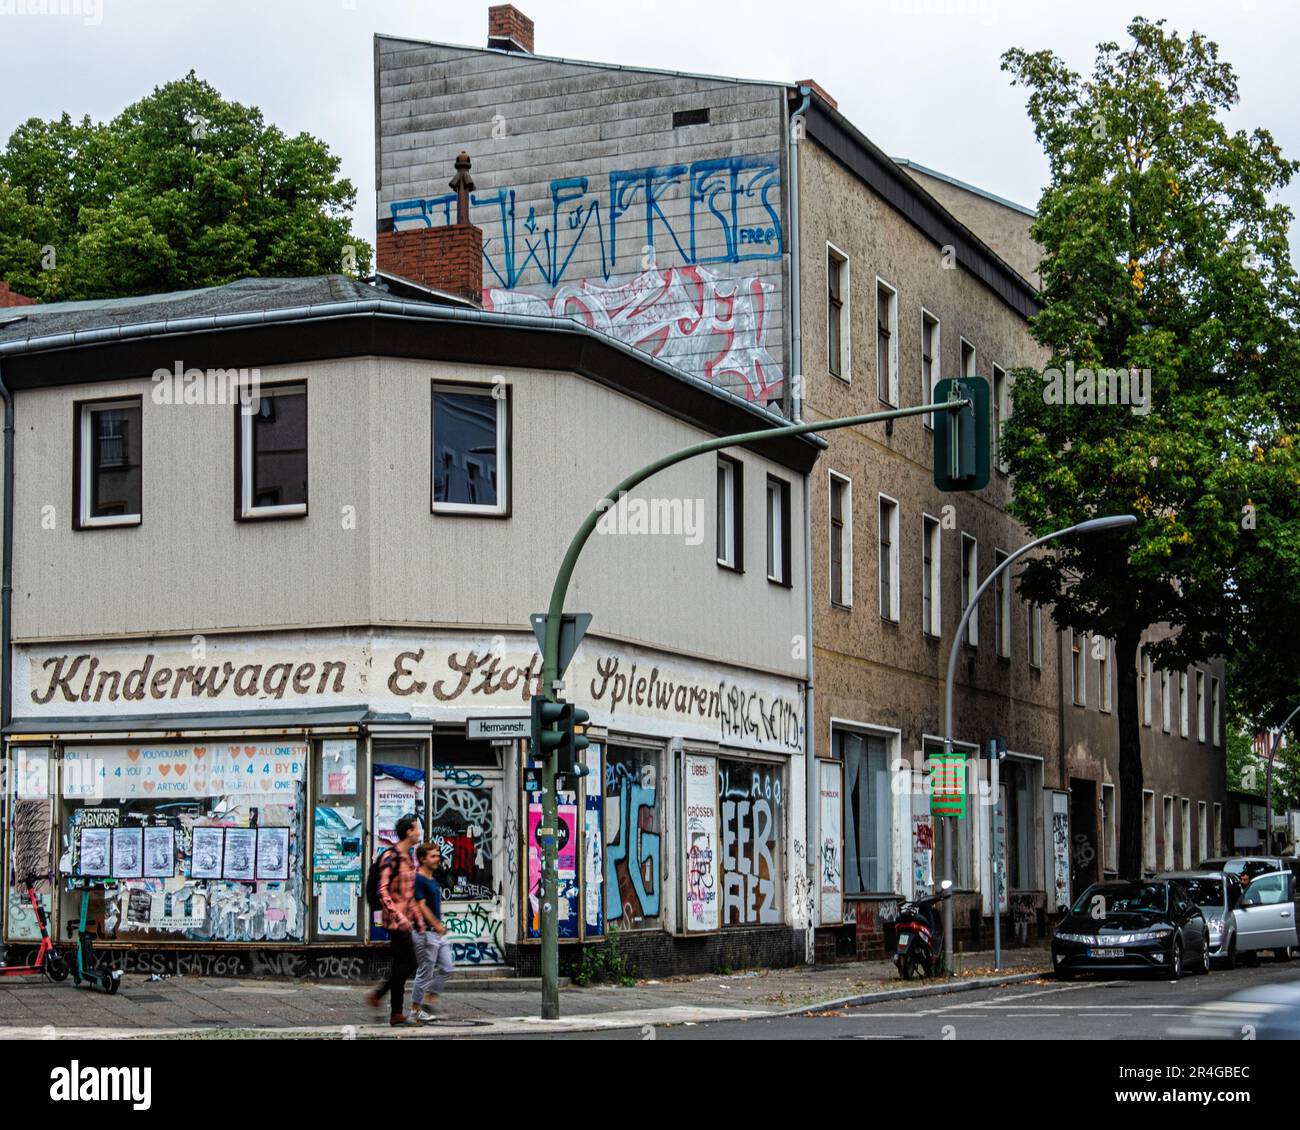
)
(920, 935)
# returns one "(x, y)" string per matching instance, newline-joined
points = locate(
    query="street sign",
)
(573, 626)
(497, 729)
(947, 785)
(961, 438)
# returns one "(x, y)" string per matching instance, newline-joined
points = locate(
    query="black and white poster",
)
(205, 859)
(127, 853)
(241, 853)
(273, 853)
(159, 853)
(94, 851)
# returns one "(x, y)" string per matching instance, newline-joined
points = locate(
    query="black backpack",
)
(372, 878)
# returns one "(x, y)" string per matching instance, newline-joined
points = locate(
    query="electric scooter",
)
(920, 935)
(49, 962)
(96, 976)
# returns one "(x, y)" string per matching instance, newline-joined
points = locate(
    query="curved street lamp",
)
(1092, 526)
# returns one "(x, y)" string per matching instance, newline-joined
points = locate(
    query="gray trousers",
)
(436, 960)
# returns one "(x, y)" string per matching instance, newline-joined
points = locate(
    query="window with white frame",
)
(730, 511)
(963, 838)
(931, 574)
(1148, 829)
(1144, 677)
(1103, 672)
(1214, 710)
(1001, 407)
(889, 587)
(1185, 830)
(886, 342)
(1168, 825)
(1166, 706)
(778, 530)
(1034, 618)
(837, 313)
(470, 443)
(868, 809)
(273, 453)
(1200, 706)
(1078, 668)
(1001, 609)
(966, 358)
(931, 363)
(110, 463)
(841, 548)
(1183, 704)
(1215, 832)
(1202, 841)
(970, 570)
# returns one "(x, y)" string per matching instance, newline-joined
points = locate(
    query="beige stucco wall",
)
(190, 567)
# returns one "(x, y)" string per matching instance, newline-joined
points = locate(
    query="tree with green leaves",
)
(181, 190)
(1165, 252)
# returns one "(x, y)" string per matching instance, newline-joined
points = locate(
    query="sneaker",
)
(424, 1016)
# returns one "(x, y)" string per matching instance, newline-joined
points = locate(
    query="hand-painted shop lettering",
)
(401, 670)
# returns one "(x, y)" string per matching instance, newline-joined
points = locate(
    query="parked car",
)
(1117, 925)
(1217, 894)
(1266, 915)
(1253, 865)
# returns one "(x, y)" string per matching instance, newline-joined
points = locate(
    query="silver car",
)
(1266, 915)
(1217, 894)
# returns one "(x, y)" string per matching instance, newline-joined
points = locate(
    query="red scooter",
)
(49, 962)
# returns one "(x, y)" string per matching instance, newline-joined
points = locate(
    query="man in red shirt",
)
(400, 916)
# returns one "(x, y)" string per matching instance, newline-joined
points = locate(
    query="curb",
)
(941, 989)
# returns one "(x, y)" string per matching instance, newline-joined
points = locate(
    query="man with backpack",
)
(390, 888)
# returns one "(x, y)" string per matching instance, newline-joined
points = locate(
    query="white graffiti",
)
(669, 314)
(475, 806)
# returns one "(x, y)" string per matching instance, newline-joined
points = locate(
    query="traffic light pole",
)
(551, 673)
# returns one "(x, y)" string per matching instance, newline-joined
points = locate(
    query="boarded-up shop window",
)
(867, 802)
(752, 797)
(633, 838)
(338, 841)
(31, 834)
(204, 842)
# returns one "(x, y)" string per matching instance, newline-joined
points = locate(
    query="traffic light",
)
(961, 437)
(555, 728)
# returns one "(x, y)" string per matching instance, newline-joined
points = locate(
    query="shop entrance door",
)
(466, 822)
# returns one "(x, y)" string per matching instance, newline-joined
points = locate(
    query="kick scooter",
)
(96, 976)
(49, 962)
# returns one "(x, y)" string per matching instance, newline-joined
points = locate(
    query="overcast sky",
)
(919, 77)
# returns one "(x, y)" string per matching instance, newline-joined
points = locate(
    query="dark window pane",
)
(280, 449)
(115, 461)
(465, 448)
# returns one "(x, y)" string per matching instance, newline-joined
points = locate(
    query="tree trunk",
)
(1127, 710)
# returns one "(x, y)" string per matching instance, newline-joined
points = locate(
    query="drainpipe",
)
(6, 599)
(796, 367)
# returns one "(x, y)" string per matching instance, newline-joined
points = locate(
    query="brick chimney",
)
(509, 29)
(448, 258)
(818, 90)
(13, 298)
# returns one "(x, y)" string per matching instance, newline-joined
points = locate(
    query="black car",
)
(1147, 925)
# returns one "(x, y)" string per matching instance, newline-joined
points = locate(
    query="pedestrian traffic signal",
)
(961, 436)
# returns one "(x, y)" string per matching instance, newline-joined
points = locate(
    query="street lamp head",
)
(1111, 522)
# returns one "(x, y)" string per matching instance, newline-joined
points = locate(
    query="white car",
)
(1266, 915)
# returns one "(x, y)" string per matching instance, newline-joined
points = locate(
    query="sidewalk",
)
(192, 1007)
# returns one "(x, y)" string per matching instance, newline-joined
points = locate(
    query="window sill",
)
(842, 379)
(779, 582)
(271, 513)
(841, 607)
(455, 511)
(731, 568)
(106, 523)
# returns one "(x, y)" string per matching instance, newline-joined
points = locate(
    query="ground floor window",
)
(1021, 794)
(867, 803)
(751, 797)
(961, 829)
(31, 839)
(633, 837)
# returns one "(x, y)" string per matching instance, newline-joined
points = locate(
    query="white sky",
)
(919, 77)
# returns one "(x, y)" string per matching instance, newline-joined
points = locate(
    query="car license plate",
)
(903, 939)
(1105, 953)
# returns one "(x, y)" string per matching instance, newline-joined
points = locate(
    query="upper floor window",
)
(967, 359)
(1035, 618)
(470, 444)
(1166, 706)
(931, 365)
(109, 463)
(969, 583)
(1001, 408)
(730, 512)
(837, 312)
(841, 491)
(1183, 704)
(778, 530)
(931, 608)
(272, 469)
(1078, 668)
(1144, 676)
(1001, 609)
(1200, 706)
(1214, 710)
(889, 589)
(886, 342)
(1103, 648)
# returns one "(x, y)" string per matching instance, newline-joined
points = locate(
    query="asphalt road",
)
(1135, 1008)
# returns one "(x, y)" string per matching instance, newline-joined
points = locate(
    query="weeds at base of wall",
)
(604, 962)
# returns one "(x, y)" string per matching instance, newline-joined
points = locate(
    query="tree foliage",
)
(1164, 250)
(181, 190)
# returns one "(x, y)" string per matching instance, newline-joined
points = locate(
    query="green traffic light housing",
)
(555, 729)
(961, 436)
